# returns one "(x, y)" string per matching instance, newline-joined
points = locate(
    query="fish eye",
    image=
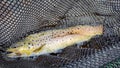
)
(28, 43)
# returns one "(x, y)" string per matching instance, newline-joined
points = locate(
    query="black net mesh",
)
(19, 18)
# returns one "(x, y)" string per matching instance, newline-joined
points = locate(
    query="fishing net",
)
(20, 18)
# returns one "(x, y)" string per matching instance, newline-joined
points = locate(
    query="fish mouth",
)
(13, 54)
(17, 53)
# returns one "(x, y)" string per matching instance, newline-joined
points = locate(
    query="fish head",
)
(25, 50)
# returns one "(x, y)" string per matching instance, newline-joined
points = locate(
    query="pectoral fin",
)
(38, 49)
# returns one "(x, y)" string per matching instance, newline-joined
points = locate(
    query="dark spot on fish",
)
(24, 43)
(70, 33)
(37, 44)
(58, 35)
(45, 41)
(52, 35)
(29, 47)
(32, 40)
(36, 40)
(43, 34)
(31, 44)
(49, 39)
(76, 32)
(40, 40)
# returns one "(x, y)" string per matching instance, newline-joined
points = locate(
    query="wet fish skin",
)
(52, 40)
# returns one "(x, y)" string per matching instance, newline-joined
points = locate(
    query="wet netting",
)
(20, 18)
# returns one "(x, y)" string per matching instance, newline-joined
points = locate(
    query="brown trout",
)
(53, 40)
